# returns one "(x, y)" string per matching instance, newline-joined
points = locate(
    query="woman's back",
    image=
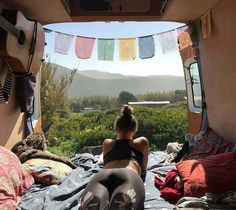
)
(125, 153)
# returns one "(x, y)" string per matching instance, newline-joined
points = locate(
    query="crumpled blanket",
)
(172, 150)
(34, 146)
(15, 180)
(209, 201)
(170, 186)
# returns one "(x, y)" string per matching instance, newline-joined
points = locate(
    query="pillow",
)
(215, 174)
(58, 170)
(14, 179)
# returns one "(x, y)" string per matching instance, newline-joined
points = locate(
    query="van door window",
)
(195, 85)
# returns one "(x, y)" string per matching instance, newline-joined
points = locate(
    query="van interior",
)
(209, 66)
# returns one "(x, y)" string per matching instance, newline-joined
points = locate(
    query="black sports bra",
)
(123, 151)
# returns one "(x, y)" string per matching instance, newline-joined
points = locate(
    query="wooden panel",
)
(45, 11)
(194, 122)
(218, 69)
(55, 11)
(187, 10)
(11, 120)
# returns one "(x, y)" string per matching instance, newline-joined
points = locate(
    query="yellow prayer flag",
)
(127, 49)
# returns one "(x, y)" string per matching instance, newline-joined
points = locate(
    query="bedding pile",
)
(205, 173)
(193, 182)
(15, 180)
(67, 195)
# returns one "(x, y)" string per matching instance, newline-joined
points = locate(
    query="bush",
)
(159, 125)
(92, 137)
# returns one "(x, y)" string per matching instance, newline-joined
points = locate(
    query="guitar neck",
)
(5, 24)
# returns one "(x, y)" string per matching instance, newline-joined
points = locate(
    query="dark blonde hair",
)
(126, 121)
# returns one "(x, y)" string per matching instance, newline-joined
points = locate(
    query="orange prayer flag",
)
(184, 37)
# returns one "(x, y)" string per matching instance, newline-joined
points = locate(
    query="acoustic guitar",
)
(22, 42)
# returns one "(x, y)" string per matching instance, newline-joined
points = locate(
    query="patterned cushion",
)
(14, 179)
(208, 143)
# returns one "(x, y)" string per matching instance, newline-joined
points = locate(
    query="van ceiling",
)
(54, 11)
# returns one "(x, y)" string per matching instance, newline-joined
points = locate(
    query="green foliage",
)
(159, 125)
(106, 103)
(172, 96)
(125, 97)
(92, 137)
(94, 102)
(53, 93)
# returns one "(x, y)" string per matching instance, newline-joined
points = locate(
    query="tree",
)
(53, 92)
(125, 97)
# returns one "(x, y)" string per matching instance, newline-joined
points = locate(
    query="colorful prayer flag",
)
(106, 49)
(84, 47)
(168, 41)
(184, 37)
(127, 49)
(62, 43)
(146, 47)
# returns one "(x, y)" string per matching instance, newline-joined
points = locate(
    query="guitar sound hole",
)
(21, 38)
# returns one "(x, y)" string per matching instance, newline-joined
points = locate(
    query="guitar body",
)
(16, 52)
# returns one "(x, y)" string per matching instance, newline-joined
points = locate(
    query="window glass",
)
(196, 85)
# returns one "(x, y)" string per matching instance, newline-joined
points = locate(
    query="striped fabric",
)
(6, 89)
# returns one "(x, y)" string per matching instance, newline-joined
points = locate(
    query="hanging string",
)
(46, 30)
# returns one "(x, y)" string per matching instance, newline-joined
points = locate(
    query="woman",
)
(120, 184)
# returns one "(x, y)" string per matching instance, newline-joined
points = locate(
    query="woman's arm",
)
(142, 145)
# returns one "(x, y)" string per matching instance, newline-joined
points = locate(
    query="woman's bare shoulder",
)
(141, 140)
(107, 145)
(140, 143)
(108, 141)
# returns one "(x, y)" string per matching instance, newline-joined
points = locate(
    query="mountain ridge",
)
(93, 82)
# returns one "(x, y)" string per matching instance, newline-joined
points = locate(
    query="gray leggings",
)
(107, 188)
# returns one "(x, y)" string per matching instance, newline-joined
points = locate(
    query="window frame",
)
(189, 86)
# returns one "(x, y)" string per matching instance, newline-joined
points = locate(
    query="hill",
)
(93, 82)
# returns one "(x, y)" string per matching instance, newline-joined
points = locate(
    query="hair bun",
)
(127, 110)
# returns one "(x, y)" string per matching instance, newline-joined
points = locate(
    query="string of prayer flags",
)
(62, 43)
(184, 37)
(206, 25)
(84, 47)
(168, 42)
(146, 47)
(127, 49)
(106, 49)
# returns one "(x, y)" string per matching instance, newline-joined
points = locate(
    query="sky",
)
(160, 64)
